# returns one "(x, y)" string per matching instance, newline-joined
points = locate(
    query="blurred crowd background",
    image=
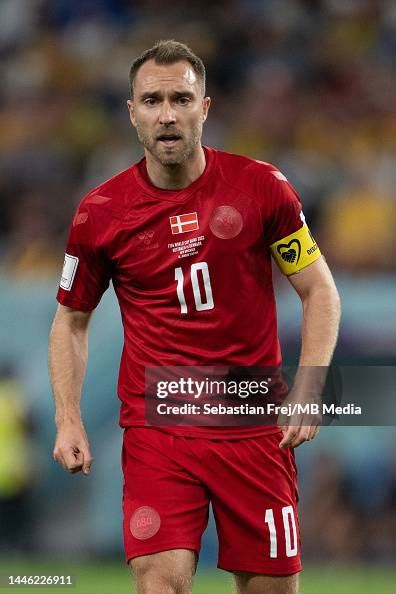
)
(308, 85)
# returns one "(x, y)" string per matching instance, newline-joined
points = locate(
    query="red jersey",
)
(191, 269)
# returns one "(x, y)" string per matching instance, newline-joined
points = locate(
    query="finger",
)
(288, 437)
(87, 464)
(309, 432)
(305, 433)
(313, 432)
(78, 464)
(298, 439)
(72, 468)
(87, 460)
(58, 457)
(73, 460)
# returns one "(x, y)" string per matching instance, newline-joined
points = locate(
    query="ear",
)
(205, 107)
(131, 112)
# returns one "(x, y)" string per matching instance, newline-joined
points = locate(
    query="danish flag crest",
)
(184, 223)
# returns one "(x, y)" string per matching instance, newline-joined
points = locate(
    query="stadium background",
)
(308, 85)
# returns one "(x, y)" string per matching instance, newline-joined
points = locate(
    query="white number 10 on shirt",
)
(200, 304)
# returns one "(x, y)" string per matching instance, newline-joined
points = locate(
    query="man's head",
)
(168, 105)
(169, 52)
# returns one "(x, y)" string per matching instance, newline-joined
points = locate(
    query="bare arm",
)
(68, 355)
(321, 316)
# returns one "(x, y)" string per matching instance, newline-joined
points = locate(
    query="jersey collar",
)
(140, 173)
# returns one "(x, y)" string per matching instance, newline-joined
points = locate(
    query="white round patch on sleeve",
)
(69, 271)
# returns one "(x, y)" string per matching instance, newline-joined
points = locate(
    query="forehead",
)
(154, 77)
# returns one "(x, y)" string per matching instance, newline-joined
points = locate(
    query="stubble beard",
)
(174, 158)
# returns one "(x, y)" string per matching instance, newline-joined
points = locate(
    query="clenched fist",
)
(72, 448)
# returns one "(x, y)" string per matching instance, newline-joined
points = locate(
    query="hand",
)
(300, 427)
(72, 448)
(295, 435)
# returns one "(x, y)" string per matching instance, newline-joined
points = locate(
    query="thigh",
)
(265, 584)
(254, 497)
(168, 571)
(165, 507)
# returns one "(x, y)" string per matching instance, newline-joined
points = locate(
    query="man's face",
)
(168, 110)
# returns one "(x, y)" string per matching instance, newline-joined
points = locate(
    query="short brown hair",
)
(169, 51)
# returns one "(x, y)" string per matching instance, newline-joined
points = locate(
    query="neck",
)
(175, 177)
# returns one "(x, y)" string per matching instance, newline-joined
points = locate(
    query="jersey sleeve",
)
(86, 270)
(289, 238)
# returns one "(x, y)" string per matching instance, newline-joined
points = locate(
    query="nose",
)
(167, 114)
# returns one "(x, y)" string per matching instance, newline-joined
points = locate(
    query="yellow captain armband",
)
(296, 251)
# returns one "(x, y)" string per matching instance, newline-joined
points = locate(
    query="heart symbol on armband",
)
(288, 253)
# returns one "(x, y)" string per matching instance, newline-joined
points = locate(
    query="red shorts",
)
(169, 482)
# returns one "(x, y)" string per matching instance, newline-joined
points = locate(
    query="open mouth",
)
(168, 139)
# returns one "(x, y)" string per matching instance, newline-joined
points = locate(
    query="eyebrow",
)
(158, 95)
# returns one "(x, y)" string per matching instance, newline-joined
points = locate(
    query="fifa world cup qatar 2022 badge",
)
(145, 522)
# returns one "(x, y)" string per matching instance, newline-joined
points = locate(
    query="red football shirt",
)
(191, 270)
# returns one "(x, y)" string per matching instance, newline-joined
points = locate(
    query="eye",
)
(150, 101)
(183, 100)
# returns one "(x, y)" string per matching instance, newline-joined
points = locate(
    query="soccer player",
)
(208, 301)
